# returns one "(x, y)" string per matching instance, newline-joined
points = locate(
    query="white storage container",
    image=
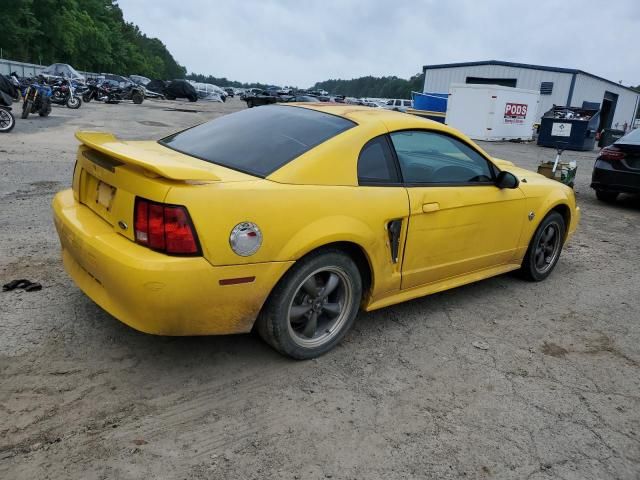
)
(492, 112)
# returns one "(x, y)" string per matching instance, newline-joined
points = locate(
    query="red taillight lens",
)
(611, 153)
(166, 228)
(178, 231)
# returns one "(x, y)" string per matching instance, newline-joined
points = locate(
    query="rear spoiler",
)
(150, 156)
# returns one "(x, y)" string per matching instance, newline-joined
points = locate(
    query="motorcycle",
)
(7, 120)
(36, 98)
(111, 92)
(93, 91)
(7, 91)
(64, 93)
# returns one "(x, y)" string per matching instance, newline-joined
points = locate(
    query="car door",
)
(459, 220)
(381, 191)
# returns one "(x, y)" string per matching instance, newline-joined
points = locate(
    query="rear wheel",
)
(313, 306)
(606, 196)
(87, 96)
(45, 107)
(137, 98)
(7, 120)
(545, 247)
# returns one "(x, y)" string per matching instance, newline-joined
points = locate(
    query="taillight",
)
(165, 228)
(611, 153)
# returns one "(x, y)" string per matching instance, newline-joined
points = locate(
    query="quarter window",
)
(429, 157)
(376, 164)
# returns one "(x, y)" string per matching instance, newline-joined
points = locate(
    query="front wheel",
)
(7, 121)
(137, 98)
(26, 108)
(313, 306)
(545, 247)
(74, 102)
(86, 97)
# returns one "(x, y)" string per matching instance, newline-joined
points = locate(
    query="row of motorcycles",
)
(38, 94)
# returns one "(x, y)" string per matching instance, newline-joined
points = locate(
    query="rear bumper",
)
(153, 292)
(605, 177)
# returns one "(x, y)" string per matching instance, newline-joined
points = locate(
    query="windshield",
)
(260, 140)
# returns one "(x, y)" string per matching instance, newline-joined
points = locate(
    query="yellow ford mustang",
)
(292, 217)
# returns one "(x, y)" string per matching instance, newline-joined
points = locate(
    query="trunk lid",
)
(110, 174)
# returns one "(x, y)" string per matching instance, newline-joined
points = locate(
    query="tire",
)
(606, 196)
(170, 97)
(193, 99)
(249, 104)
(86, 97)
(137, 98)
(7, 121)
(74, 102)
(535, 267)
(45, 108)
(26, 109)
(320, 320)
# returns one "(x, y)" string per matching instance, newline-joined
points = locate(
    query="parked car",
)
(230, 91)
(180, 89)
(139, 79)
(399, 104)
(292, 218)
(302, 98)
(617, 168)
(63, 70)
(259, 97)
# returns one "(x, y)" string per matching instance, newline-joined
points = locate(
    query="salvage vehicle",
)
(36, 98)
(617, 168)
(62, 70)
(63, 92)
(7, 120)
(326, 210)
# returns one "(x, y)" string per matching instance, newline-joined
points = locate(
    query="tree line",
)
(91, 35)
(374, 87)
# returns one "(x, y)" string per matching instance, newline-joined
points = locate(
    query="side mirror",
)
(507, 180)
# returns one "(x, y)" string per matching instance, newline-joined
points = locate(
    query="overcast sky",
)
(297, 43)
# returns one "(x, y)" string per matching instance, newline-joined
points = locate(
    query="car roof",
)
(363, 115)
(320, 166)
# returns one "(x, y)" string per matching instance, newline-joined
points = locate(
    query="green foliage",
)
(90, 35)
(374, 87)
(224, 82)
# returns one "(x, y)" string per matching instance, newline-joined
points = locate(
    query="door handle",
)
(430, 207)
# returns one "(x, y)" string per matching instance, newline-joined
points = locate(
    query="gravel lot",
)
(406, 395)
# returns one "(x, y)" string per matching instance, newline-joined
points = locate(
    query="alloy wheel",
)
(320, 306)
(548, 248)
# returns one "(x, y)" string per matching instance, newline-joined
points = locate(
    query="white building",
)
(559, 86)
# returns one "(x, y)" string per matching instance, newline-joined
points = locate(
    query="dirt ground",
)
(556, 394)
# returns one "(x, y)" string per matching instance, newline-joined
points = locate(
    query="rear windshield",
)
(259, 140)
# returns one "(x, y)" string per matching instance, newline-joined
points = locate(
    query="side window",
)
(390, 102)
(376, 163)
(407, 103)
(430, 157)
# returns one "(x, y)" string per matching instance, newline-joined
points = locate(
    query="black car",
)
(617, 168)
(302, 98)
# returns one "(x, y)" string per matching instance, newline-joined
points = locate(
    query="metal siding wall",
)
(592, 90)
(439, 79)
